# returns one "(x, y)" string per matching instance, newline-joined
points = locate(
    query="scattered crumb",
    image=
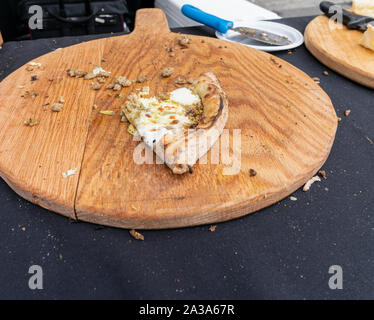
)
(322, 173)
(101, 79)
(310, 182)
(117, 87)
(136, 235)
(212, 228)
(94, 106)
(31, 122)
(23, 229)
(325, 73)
(275, 62)
(101, 72)
(252, 172)
(56, 107)
(61, 100)
(96, 86)
(50, 79)
(289, 52)
(79, 73)
(122, 81)
(167, 72)
(20, 87)
(89, 76)
(35, 64)
(104, 60)
(292, 198)
(169, 49)
(107, 112)
(141, 79)
(316, 80)
(368, 139)
(339, 119)
(184, 41)
(347, 112)
(180, 80)
(69, 173)
(134, 207)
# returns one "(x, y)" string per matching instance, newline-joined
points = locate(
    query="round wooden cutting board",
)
(285, 121)
(339, 49)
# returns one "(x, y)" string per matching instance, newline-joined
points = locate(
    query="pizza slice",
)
(180, 126)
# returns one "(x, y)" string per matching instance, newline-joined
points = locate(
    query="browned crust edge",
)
(215, 115)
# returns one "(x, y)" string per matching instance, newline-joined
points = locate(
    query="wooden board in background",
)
(339, 49)
(287, 125)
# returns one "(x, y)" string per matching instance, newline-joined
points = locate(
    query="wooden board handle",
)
(150, 21)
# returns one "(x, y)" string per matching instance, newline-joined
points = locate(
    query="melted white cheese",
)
(184, 96)
(159, 118)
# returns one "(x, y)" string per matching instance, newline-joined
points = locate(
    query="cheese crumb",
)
(310, 182)
(69, 173)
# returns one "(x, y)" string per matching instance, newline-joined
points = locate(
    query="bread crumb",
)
(292, 198)
(56, 107)
(347, 112)
(141, 79)
(212, 228)
(107, 112)
(117, 87)
(96, 86)
(31, 122)
(325, 73)
(322, 173)
(252, 172)
(167, 72)
(310, 182)
(69, 173)
(90, 76)
(136, 235)
(180, 80)
(184, 41)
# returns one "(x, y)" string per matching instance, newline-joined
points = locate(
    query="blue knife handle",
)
(196, 14)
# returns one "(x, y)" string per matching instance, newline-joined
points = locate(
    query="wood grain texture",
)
(287, 128)
(339, 49)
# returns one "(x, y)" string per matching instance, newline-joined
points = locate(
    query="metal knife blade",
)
(350, 19)
(263, 36)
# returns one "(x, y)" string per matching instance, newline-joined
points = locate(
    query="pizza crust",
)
(174, 149)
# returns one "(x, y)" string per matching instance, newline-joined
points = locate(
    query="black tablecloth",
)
(281, 252)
